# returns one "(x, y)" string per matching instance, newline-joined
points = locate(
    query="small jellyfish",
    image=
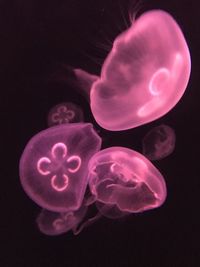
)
(65, 113)
(144, 75)
(159, 142)
(53, 166)
(54, 223)
(122, 177)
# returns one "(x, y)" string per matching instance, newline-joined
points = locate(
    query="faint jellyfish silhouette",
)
(159, 142)
(53, 166)
(65, 113)
(123, 177)
(144, 75)
(54, 223)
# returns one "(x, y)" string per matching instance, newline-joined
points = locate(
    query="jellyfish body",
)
(53, 166)
(159, 142)
(144, 75)
(123, 177)
(65, 113)
(54, 223)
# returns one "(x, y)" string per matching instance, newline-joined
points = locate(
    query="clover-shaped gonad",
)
(57, 164)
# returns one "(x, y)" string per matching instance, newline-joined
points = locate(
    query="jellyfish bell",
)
(53, 166)
(159, 142)
(125, 178)
(54, 223)
(144, 75)
(66, 112)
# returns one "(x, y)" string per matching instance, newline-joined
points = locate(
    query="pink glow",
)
(145, 74)
(53, 166)
(123, 177)
(54, 223)
(159, 142)
(65, 113)
(85, 81)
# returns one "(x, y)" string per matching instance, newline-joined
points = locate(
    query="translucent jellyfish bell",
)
(53, 166)
(65, 113)
(123, 177)
(144, 75)
(159, 142)
(54, 223)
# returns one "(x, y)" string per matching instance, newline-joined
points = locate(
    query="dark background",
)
(38, 40)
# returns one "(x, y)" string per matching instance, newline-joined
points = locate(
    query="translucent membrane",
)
(159, 142)
(85, 81)
(110, 211)
(54, 223)
(144, 75)
(122, 177)
(53, 166)
(65, 113)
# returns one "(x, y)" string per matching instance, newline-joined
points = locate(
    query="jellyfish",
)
(53, 167)
(125, 180)
(65, 113)
(159, 142)
(144, 75)
(54, 223)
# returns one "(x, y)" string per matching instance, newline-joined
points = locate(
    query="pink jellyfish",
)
(159, 142)
(53, 166)
(144, 75)
(54, 223)
(124, 178)
(65, 113)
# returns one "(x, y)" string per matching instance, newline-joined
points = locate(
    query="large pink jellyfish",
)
(53, 166)
(159, 142)
(144, 75)
(124, 178)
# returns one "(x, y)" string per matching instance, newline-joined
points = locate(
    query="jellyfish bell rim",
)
(29, 146)
(162, 184)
